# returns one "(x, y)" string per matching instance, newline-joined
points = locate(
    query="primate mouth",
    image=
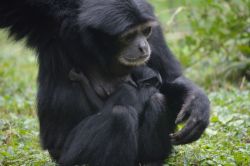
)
(134, 61)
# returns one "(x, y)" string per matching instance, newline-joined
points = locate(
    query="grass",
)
(225, 142)
(19, 140)
(227, 139)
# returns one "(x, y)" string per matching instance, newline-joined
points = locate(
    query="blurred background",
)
(211, 39)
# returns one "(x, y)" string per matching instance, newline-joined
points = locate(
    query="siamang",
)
(110, 92)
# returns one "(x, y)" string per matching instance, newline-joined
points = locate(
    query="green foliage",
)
(227, 140)
(19, 140)
(218, 39)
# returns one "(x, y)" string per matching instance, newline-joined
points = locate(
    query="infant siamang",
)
(152, 112)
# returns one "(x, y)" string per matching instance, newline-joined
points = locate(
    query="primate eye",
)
(129, 36)
(147, 31)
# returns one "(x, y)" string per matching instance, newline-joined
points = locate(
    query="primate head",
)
(135, 49)
(144, 76)
(117, 31)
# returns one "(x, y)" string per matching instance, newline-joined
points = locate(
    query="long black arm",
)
(186, 100)
(92, 97)
(108, 137)
(194, 109)
(31, 18)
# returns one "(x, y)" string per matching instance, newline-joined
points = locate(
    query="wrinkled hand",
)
(195, 112)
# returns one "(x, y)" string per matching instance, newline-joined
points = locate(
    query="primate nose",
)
(143, 47)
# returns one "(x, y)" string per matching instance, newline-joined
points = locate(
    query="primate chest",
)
(104, 86)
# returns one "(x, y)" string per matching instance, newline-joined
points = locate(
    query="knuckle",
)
(203, 123)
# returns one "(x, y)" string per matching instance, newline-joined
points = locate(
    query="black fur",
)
(82, 34)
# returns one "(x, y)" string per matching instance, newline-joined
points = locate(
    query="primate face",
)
(119, 33)
(135, 49)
